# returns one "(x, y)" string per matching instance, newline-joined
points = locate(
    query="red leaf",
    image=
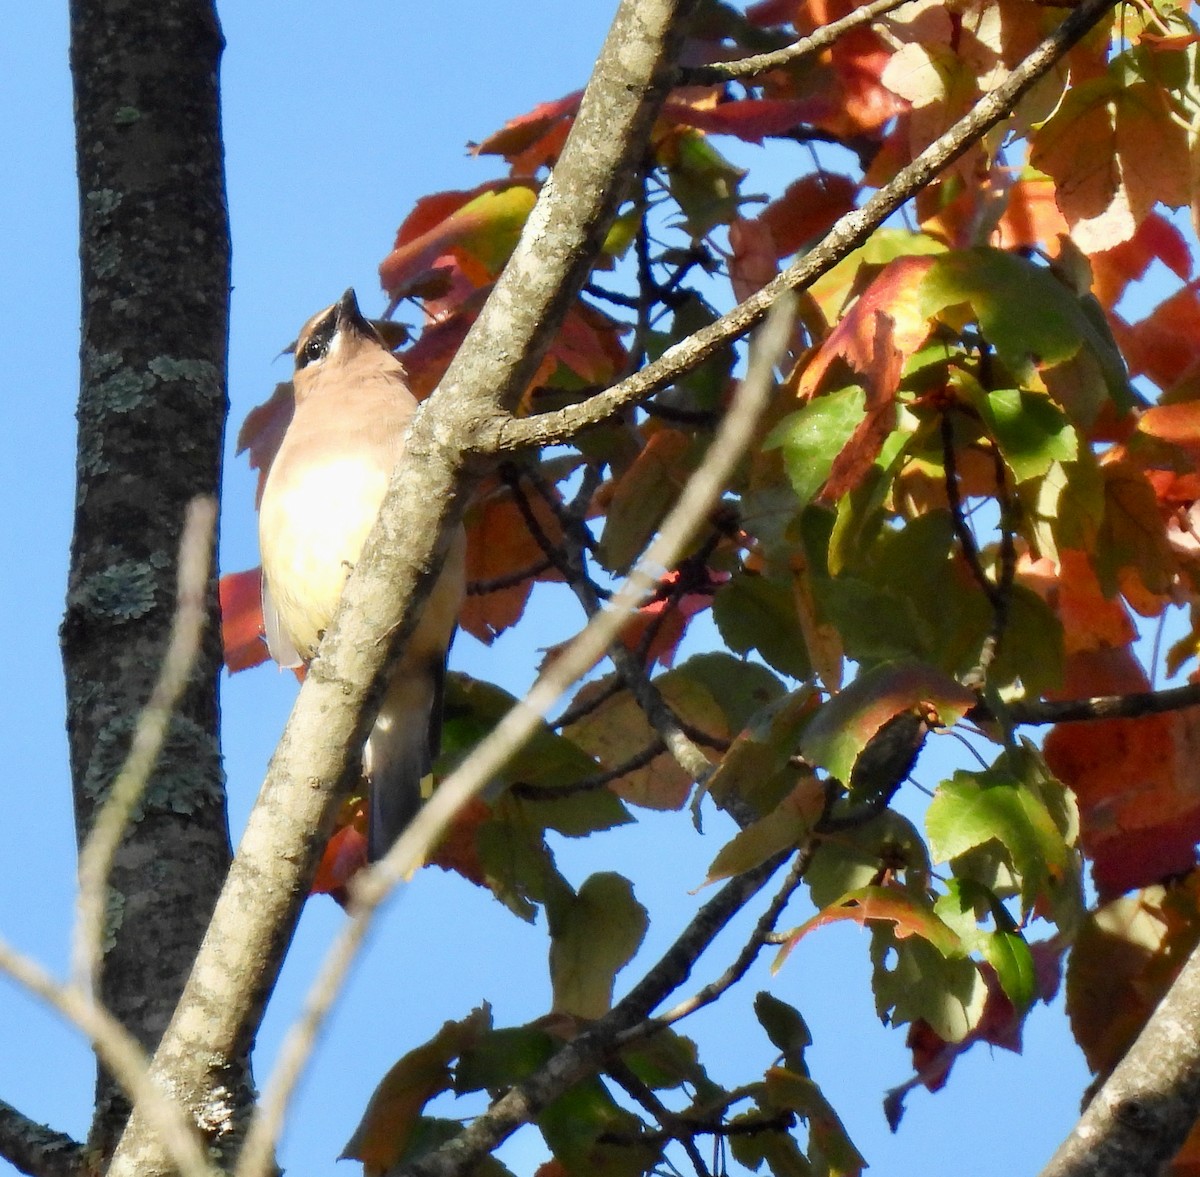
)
(751, 119)
(240, 594)
(262, 432)
(535, 137)
(344, 856)
(1137, 780)
(807, 210)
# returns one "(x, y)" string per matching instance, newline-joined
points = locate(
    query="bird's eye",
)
(312, 351)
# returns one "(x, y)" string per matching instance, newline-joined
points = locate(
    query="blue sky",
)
(337, 117)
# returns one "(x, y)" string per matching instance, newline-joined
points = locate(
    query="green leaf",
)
(786, 826)
(786, 1028)
(473, 708)
(665, 1060)
(583, 1127)
(703, 183)
(1032, 431)
(973, 809)
(1034, 322)
(1009, 955)
(914, 981)
(855, 857)
(842, 728)
(757, 768)
(814, 436)
(593, 937)
(501, 1058)
(756, 612)
(786, 1089)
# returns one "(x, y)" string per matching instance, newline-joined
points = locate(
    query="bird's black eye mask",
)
(317, 344)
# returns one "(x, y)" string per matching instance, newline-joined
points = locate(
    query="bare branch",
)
(760, 63)
(1037, 712)
(120, 1052)
(504, 436)
(1141, 1115)
(738, 969)
(585, 1054)
(314, 764)
(95, 859)
(34, 1148)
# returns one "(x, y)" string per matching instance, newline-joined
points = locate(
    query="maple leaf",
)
(240, 596)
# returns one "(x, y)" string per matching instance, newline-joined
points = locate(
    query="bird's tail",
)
(400, 751)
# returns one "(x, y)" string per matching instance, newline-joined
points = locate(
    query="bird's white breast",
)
(312, 528)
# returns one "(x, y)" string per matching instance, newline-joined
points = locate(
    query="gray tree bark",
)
(155, 291)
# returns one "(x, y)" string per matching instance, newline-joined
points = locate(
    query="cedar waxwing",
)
(321, 497)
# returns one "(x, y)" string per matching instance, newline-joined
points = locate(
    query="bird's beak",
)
(349, 317)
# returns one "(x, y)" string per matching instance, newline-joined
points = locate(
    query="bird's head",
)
(337, 338)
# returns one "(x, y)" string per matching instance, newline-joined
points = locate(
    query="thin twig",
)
(760, 63)
(511, 434)
(745, 958)
(1037, 712)
(590, 783)
(120, 1053)
(674, 1126)
(480, 588)
(96, 857)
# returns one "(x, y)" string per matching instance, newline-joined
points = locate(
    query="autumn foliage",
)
(976, 492)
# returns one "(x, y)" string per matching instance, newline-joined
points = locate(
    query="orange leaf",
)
(751, 119)
(1031, 216)
(910, 916)
(344, 856)
(1156, 239)
(382, 1135)
(534, 137)
(480, 234)
(807, 209)
(240, 594)
(263, 429)
(1165, 346)
(752, 263)
(1137, 780)
(500, 545)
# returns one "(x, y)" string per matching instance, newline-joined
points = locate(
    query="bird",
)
(320, 499)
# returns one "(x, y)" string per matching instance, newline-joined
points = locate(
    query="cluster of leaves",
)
(978, 473)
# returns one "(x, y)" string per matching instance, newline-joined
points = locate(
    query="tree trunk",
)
(152, 406)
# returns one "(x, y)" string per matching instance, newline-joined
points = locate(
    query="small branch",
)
(34, 1148)
(121, 1054)
(480, 588)
(760, 937)
(187, 628)
(760, 63)
(600, 780)
(509, 434)
(1139, 1118)
(1038, 712)
(674, 1127)
(586, 1053)
(962, 529)
(578, 709)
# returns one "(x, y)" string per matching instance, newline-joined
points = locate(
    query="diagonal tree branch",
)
(257, 911)
(584, 1055)
(33, 1148)
(505, 435)
(1141, 1115)
(760, 63)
